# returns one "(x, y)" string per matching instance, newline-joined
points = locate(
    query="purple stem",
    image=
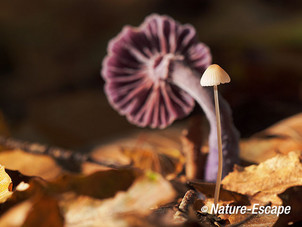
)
(188, 80)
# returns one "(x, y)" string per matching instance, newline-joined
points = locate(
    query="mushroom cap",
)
(138, 65)
(214, 75)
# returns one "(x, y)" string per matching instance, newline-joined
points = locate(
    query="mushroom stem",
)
(220, 158)
(188, 80)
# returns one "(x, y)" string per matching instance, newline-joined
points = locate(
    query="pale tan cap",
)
(214, 75)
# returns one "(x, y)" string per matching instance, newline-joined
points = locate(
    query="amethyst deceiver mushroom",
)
(152, 76)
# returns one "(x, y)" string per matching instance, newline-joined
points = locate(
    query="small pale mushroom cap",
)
(214, 75)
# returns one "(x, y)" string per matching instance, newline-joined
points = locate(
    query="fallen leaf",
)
(30, 164)
(159, 152)
(133, 205)
(281, 138)
(208, 190)
(45, 195)
(89, 168)
(249, 220)
(5, 182)
(44, 213)
(266, 184)
(168, 162)
(265, 181)
(16, 216)
(291, 197)
(102, 184)
(16, 196)
(17, 177)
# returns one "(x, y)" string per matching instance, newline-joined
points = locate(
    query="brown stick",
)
(184, 207)
(55, 152)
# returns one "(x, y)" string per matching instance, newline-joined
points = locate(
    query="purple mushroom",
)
(152, 76)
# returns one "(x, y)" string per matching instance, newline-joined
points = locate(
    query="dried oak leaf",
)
(41, 199)
(283, 137)
(208, 190)
(16, 215)
(159, 152)
(41, 210)
(129, 208)
(17, 193)
(265, 181)
(260, 184)
(44, 213)
(291, 197)
(102, 184)
(168, 162)
(30, 164)
(249, 220)
(5, 182)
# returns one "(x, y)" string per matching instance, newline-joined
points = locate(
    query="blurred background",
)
(51, 53)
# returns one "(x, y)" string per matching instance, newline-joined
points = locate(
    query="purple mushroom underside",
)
(152, 75)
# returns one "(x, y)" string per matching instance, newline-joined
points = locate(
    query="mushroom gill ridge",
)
(138, 66)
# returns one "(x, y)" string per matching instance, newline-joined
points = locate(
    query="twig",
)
(54, 152)
(183, 209)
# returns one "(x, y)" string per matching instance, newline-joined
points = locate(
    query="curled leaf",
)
(30, 164)
(208, 190)
(127, 208)
(102, 184)
(281, 138)
(5, 183)
(266, 180)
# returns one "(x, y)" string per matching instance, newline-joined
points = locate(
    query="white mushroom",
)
(213, 76)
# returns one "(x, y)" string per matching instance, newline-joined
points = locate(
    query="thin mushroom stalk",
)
(229, 134)
(214, 76)
(152, 77)
(220, 156)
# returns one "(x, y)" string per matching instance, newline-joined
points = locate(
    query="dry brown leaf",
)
(168, 162)
(37, 211)
(291, 197)
(266, 180)
(17, 196)
(16, 216)
(89, 168)
(30, 164)
(44, 213)
(146, 193)
(110, 153)
(43, 195)
(291, 127)
(261, 184)
(102, 184)
(283, 137)
(159, 152)
(248, 220)
(5, 182)
(208, 190)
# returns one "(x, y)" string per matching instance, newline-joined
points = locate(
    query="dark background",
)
(51, 53)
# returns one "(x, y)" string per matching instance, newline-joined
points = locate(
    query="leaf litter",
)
(149, 191)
